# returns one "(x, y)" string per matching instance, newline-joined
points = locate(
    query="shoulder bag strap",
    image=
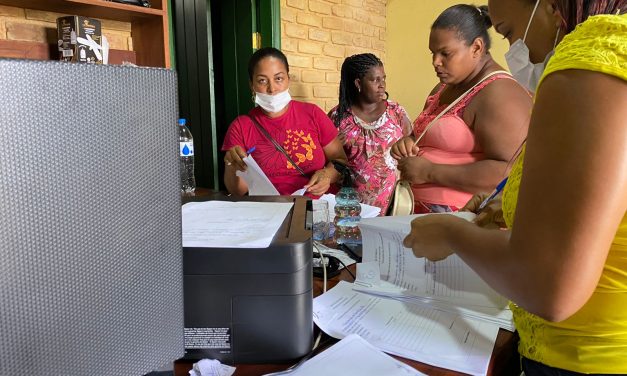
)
(455, 102)
(277, 146)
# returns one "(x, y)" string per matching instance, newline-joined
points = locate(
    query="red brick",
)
(26, 31)
(288, 14)
(340, 37)
(332, 23)
(319, 7)
(308, 47)
(324, 63)
(296, 31)
(313, 76)
(300, 4)
(309, 19)
(319, 35)
(333, 50)
(325, 91)
(11, 11)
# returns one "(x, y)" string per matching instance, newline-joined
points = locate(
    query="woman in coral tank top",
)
(468, 149)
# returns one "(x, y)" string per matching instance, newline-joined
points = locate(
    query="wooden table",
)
(504, 360)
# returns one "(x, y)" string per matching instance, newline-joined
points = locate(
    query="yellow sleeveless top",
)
(593, 340)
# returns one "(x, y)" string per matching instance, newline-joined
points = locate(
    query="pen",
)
(496, 191)
(251, 150)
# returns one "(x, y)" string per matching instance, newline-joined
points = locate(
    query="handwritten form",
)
(353, 356)
(428, 335)
(228, 224)
(257, 181)
(448, 284)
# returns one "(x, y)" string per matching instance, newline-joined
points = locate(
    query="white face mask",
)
(273, 103)
(524, 71)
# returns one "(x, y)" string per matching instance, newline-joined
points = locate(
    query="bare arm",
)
(322, 179)
(500, 127)
(572, 198)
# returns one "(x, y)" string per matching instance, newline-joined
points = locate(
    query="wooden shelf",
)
(149, 26)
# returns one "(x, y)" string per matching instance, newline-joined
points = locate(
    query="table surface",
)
(504, 360)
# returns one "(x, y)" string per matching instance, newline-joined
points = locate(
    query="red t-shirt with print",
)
(303, 130)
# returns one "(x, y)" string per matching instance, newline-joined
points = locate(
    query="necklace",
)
(373, 125)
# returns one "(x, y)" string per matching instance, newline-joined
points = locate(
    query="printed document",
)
(257, 181)
(353, 356)
(241, 224)
(440, 338)
(446, 284)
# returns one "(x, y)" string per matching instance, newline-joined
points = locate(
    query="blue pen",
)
(496, 191)
(251, 150)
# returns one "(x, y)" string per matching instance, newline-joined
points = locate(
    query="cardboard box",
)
(79, 39)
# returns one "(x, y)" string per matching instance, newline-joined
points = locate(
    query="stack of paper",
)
(242, 224)
(422, 333)
(391, 270)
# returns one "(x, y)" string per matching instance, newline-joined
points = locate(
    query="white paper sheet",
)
(257, 181)
(449, 283)
(241, 224)
(354, 356)
(431, 336)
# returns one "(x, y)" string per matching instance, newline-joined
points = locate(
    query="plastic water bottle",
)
(186, 153)
(347, 212)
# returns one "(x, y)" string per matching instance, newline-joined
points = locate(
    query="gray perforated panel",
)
(90, 237)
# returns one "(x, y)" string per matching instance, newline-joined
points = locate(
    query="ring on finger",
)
(228, 163)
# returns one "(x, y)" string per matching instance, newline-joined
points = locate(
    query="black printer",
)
(251, 305)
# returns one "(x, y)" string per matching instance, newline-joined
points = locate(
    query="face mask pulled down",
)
(524, 71)
(273, 103)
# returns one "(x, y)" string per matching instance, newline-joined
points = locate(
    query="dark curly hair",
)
(354, 67)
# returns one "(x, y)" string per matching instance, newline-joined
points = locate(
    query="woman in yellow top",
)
(563, 261)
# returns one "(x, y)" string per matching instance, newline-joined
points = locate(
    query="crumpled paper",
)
(211, 367)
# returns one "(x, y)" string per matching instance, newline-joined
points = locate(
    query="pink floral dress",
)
(367, 147)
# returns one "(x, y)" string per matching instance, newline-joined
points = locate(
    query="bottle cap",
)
(181, 121)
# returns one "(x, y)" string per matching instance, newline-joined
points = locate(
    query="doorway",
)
(214, 40)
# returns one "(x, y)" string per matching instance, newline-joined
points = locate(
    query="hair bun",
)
(483, 11)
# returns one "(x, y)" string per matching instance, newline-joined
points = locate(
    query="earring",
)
(253, 97)
(358, 89)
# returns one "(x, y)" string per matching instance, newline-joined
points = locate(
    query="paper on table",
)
(257, 181)
(436, 337)
(241, 224)
(354, 356)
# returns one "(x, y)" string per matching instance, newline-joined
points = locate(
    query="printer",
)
(251, 305)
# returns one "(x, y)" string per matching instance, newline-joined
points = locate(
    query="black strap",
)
(276, 145)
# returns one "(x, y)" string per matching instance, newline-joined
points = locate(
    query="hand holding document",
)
(449, 284)
(257, 181)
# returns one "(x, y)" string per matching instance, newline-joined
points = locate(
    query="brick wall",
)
(39, 26)
(316, 36)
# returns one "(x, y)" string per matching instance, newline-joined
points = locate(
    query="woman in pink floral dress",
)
(368, 126)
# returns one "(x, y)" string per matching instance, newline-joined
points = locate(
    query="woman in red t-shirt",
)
(303, 130)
